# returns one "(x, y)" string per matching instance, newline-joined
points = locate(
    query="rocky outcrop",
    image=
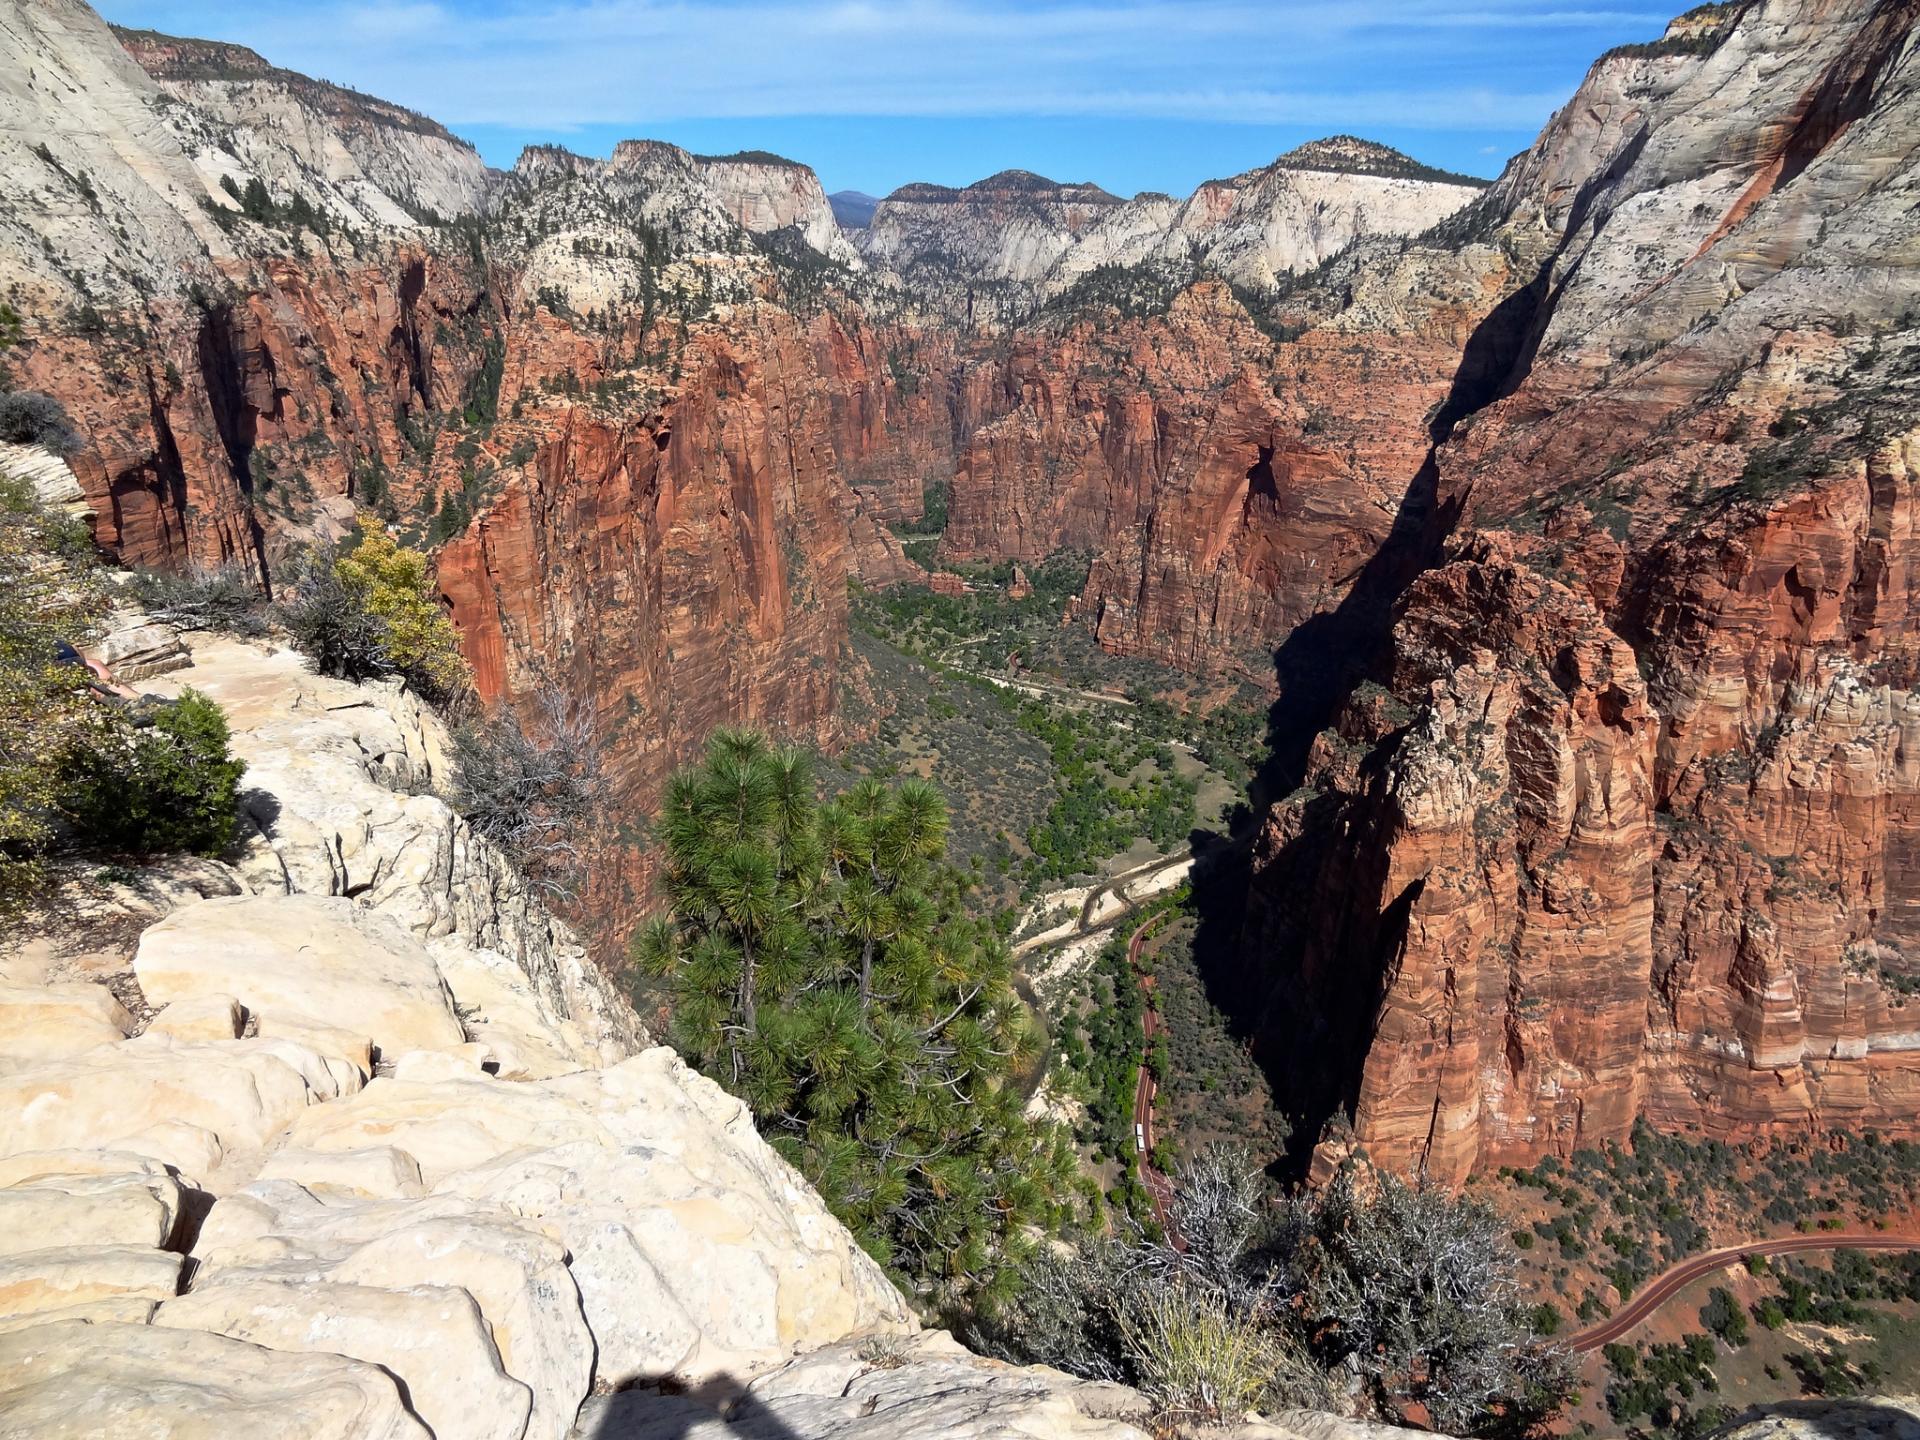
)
(1484, 935)
(988, 254)
(338, 803)
(1869, 1417)
(1633, 839)
(315, 1147)
(766, 193)
(358, 160)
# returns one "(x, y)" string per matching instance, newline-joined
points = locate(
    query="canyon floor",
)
(1473, 623)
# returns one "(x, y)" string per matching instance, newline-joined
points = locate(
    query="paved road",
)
(1669, 1283)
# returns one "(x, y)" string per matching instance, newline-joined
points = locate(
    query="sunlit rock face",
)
(1309, 424)
(1634, 839)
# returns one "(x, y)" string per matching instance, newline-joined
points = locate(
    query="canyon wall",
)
(267, 302)
(1618, 822)
(1566, 520)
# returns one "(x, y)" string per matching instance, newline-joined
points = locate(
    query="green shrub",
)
(166, 786)
(1724, 1317)
(1197, 1359)
(30, 419)
(368, 609)
(47, 596)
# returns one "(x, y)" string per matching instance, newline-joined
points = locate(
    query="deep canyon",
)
(1564, 526)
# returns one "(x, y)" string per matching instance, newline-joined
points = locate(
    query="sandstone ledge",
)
(346, 1138)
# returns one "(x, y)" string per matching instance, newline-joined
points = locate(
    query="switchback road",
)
(1666, 1285)
(1159, 1187)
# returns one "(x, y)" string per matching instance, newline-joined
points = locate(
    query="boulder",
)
(200, 1017)
(929, 1386)
(51, 1022)
(242, 1091)
(430, 1338)
(697, 1250)
(62, 1210)
(463, 1062)
(188, 1149)
(52, 1279)
(513, 1268)
(112, 1310)
(139, 652)
(505, 1012)
(136, 1382)
(350, 1046)
(26, 1166)
(380, 1172)
(320, 958)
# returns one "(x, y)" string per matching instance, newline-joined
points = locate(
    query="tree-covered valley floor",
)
(993, 699)
(1595, 1228)
(1001, 705)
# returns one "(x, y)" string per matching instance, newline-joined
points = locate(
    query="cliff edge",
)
(346, 1130)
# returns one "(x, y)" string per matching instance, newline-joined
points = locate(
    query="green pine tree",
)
(821, 962)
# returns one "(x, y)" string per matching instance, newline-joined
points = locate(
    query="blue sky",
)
(1133, 94)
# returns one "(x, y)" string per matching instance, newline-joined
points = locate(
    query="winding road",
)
(1110, 901)
(1159, 1187)
(1669, 1283)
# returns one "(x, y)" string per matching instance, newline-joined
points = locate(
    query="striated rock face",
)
(765, 193)
(235, 379)
(987, 254)
(1489, 913)
(709, 587)
(1229, 484)
(366, 161)
(1634, 838)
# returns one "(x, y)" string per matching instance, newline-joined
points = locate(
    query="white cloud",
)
(567, 63)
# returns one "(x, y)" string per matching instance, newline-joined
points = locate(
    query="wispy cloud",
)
(560, 64)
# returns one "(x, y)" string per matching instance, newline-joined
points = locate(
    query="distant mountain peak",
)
(182, 59)
(1025, 182)
(752, 157)
(853, 208)
(1351, 155)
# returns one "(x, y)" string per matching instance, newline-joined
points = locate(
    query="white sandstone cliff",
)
(346, 1138)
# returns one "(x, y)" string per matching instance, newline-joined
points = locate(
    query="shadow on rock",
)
(722, 1409)
(1827, 1420)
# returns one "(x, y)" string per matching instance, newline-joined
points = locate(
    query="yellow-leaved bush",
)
(369, 610)
(394, 584)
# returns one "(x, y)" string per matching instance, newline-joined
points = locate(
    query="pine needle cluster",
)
(820, 961)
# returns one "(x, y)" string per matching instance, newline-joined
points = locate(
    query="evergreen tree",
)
(821, 962)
